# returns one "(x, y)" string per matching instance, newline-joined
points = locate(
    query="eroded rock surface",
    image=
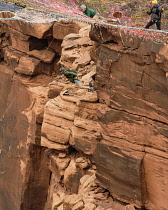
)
(65, 147)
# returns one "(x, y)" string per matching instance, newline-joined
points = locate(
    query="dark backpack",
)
(156, 13)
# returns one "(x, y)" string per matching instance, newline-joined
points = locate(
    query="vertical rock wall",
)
(132, 86)
(12, 139)
(22, 162)
(79, 149)
(29, 56)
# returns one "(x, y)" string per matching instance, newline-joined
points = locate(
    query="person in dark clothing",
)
(87, 11)
(155, 13)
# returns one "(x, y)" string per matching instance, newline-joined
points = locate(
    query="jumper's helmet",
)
(154, 2)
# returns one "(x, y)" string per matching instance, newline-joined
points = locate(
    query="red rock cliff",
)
(105, 149)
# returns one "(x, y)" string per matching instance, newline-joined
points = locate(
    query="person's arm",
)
(150, 12)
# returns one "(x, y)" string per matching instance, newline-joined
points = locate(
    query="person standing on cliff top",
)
(155, 13)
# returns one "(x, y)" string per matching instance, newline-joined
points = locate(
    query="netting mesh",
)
(133, 15)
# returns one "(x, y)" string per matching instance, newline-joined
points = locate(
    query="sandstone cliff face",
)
(82, 150)
(132, 86)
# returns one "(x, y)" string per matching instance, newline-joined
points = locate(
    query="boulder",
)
(57, 200)
(53, 145)
(12, 57)
(83, 163)
(85, 40)
(71, 41)
(56, 134)
(63, 28)
(72, 175)
(78, 206)
(46, 55)
(70, 201)
(83, 60)
(129, 207)
(90, 206)
(33, 28)
(84, 140)
(28, 66)
(76, 49)
(25, 43)
(59, 165)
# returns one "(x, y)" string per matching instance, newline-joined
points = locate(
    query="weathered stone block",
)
(84, 140)
(25, 43)
(12, 57)
(46, 55)
(38, 30)
(28, 66)
(65, 28)
(56, 134)
(72, 175)
(119, 171)
(53, 145)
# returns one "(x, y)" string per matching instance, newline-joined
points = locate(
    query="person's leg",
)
(158, 24)
(151, 22)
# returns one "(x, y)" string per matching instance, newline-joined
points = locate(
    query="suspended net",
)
(132, 21)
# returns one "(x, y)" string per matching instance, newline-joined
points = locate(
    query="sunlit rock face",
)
(24, 173)
(66, 147)
(21, 160)
(132, 86)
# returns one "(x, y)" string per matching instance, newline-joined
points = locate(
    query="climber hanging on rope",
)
(72, 76)
(155, 13)
(92, 14)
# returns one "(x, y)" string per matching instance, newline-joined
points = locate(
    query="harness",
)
(156, 11)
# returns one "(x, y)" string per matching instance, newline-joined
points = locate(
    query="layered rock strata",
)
(27, 49)
(76, 149)
(131, 83)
